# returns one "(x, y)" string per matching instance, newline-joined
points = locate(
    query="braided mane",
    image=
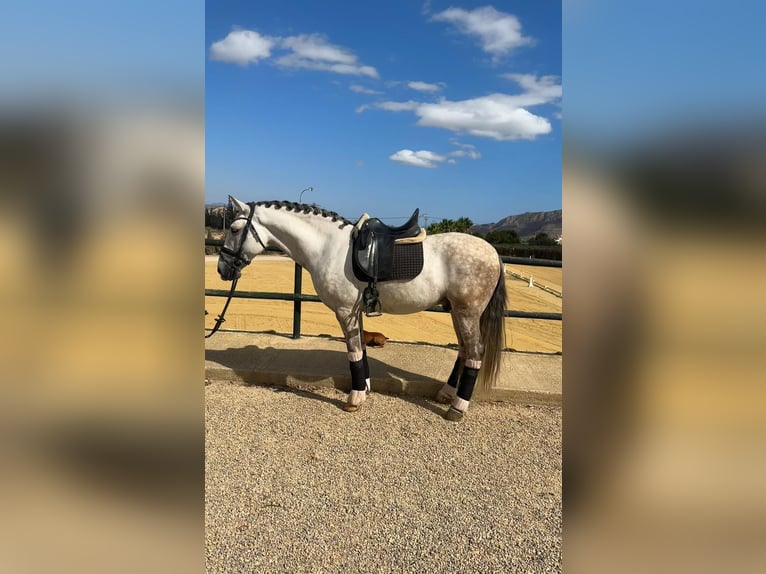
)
(308, 209)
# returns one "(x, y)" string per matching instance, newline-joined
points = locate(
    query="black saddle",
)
(383, 253)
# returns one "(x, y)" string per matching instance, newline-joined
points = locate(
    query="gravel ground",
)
(295, 484)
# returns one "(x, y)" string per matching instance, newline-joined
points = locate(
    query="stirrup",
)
(372, 306)
(374, 310)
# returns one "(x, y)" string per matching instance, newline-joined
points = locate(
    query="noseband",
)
(239, 262)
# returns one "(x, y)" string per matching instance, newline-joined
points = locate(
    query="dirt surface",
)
(295, 484)
(276, 274)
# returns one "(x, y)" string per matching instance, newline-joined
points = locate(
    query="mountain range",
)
(526, 225)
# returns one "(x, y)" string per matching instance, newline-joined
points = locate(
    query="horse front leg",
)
(351, 324)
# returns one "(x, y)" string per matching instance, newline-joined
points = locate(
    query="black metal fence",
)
(298, 298)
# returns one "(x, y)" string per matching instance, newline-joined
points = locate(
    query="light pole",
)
(300, 197)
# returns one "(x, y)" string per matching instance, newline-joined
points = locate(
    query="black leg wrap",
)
(467, 382)
(454, 376)
(366, 364)
(357, 375)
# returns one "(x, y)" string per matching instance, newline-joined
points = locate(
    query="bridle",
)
(239, 261)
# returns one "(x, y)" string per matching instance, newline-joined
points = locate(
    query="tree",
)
(541, 238)
(461, 225)
(503, 237)
(216, 217)
(433, 229)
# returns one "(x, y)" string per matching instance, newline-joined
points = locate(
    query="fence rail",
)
(298, 298)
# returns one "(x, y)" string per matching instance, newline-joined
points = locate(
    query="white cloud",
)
(456, 142)
(430, 159)
(314, 52)
(407, 106)
(464, 153)
(496, 116)
(538, 90)
(466, 150)
(316, 47)
(356, 88)
(424, 86)
(498, 32)
(422, 158)
(305, 51)
(389, 106)
(242, 47)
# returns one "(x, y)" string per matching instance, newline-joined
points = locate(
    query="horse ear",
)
(239, 207)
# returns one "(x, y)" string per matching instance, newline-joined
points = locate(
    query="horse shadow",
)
(296, 370)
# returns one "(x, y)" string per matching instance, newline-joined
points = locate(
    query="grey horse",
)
(461, 272)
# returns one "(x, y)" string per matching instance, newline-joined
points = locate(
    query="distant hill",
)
(526, 225)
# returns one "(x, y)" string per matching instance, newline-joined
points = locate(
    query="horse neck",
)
(303, 237)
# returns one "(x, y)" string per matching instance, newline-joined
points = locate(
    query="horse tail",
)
(492, 327)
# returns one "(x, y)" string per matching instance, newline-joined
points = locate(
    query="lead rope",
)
(220, 320)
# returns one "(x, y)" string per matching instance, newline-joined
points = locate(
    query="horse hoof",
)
(351, 408)
(442, 397)
(453, 414)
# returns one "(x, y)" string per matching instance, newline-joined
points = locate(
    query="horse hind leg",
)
(449, 389)
(462, 399)
(467, 325)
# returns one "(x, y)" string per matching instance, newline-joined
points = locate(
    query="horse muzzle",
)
(228, 272)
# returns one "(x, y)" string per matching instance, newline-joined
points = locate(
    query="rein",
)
(239, 262)
(220, 320)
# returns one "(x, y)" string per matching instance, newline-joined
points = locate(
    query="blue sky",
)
(383, 107)
(630, 68)
(87, 50)
(647, 69)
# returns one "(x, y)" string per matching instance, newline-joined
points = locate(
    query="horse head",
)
(242, 242)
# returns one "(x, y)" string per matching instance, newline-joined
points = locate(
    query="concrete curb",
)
(397, 368)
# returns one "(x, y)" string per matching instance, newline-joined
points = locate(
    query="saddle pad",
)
(408, 263)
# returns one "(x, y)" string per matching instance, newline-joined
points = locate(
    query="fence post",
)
(297, 286)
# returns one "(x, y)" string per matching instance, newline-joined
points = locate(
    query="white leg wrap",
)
(355, 356)
(356, 398)
(460, 404)
(473, 364)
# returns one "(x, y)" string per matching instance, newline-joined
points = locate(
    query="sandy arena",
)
(275, 273)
